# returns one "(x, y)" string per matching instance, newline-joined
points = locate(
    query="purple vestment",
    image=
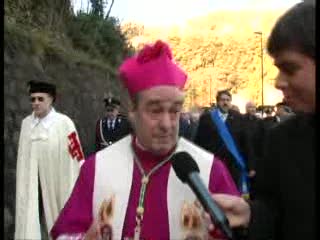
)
(77, 215)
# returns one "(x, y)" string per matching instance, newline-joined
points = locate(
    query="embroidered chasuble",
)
(164, 194)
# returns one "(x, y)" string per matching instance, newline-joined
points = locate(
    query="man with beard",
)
(209, 137)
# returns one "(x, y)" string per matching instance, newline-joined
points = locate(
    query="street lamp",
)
(210, 102)
(261, 48)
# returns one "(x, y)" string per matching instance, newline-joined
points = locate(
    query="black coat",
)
(270, 122)
(207, 137)
(185, 128)
(256, 131)
(285, 183)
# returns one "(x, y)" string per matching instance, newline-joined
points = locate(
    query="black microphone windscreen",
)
(183, 164)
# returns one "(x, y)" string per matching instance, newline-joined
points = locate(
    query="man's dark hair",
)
(295, 30)
(279, 104)
(223, 92)
(268, 110)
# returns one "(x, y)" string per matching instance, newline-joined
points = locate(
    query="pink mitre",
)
(152, 66)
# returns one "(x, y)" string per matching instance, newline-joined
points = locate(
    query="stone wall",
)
(80, 89)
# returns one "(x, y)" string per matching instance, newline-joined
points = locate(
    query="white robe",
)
(46, 147)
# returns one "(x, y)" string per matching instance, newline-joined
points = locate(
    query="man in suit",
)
(256, 133)
(194, 119)
(208, 137)
(113, 126)
(285, 198)
(185, 125)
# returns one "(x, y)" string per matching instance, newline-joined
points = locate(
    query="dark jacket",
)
(270, 122)
(284, 208)
(121, 128)
(255, 131)
(207, 137)
(185, 128)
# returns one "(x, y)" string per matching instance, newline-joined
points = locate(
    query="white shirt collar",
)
(46, 121)
(222, 115)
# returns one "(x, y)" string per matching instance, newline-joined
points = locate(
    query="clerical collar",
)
(46, 121)
(147, 158)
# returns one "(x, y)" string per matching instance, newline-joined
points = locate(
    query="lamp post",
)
(261, 48)
(210, 101)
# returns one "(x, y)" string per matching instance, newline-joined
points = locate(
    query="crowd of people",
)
(258, 168)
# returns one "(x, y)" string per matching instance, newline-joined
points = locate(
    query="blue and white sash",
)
(231, 146)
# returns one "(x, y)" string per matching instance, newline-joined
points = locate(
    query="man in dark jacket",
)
(185, 125)
(208, 137)
(113, 126)
(284, 208)
(255, 130)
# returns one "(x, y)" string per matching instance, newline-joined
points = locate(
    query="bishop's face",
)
(41, 104)
(155, 118)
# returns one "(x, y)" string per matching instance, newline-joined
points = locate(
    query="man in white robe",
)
(50, 151)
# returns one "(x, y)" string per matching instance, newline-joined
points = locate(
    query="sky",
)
(176, 12)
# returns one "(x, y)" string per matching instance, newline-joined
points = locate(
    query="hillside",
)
(80, 53)
(218, 51)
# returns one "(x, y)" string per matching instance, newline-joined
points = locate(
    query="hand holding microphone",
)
(187, 171)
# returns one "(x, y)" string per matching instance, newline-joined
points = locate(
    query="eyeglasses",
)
(40, 99)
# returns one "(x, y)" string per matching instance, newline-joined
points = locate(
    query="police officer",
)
(112, 126)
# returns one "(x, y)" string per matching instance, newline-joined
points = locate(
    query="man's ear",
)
(51, 99)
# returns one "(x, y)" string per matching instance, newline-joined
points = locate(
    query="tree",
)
(109, 11)
(97, 7)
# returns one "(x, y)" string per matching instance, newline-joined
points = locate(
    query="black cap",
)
(111, 102)
(42, 87)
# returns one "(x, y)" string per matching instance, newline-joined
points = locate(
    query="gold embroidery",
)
(192, 222)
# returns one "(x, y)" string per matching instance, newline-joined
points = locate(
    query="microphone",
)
(187, 171)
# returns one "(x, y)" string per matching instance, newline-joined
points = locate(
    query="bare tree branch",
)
(108, 13)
